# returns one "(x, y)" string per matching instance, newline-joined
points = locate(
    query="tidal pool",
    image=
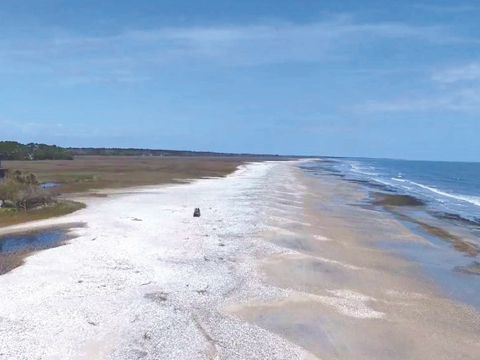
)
(14, 248)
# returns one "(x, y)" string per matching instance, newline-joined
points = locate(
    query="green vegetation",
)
(11, 150)
(152, 152)
(9, 216)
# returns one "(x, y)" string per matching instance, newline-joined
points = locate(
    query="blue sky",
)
(370, 78)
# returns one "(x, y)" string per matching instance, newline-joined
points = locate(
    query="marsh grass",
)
(86, 173)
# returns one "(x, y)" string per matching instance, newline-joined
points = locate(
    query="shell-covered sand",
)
(274, 268)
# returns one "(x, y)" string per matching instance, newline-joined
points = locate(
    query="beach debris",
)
(139, 354)
(202, 291)
(196, 212)
(157, 297)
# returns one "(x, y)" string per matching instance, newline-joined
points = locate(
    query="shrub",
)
(23, 191)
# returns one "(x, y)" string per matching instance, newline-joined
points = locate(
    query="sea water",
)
(448, 188)
(451, 194)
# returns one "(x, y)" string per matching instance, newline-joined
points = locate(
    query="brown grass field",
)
(99, 172)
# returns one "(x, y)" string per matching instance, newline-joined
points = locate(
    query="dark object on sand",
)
(196, 213)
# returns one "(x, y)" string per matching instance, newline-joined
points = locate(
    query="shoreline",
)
(336, 264)
(279, 265)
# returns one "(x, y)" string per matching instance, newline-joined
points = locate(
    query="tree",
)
(11, 150)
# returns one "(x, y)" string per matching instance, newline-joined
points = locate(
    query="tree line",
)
(12, 150)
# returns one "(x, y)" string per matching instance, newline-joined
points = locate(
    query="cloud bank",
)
(136, 55)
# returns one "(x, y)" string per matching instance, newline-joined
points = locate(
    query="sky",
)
(396, 79)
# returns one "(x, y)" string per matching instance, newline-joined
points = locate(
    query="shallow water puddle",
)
(32, 241)
(14, 248)
(50, 185)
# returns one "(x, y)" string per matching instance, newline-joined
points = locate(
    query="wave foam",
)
(474, 200)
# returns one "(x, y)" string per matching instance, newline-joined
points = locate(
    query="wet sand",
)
(280, 265)
(351, 299)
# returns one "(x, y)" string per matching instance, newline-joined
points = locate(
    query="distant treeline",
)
(148, 152)
(12, 150)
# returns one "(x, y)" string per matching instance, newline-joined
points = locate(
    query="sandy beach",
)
(279, 266)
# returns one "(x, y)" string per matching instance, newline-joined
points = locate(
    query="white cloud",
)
(460, 92)
(463, 100)
(135, 54)
(447, 9)
(470, 72)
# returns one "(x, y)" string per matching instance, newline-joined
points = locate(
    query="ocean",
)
(440, 201)
(449, 189)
